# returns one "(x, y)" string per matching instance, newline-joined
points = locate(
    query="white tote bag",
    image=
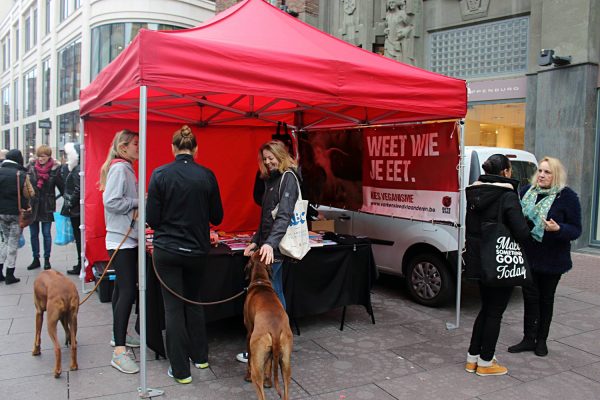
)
(295, 242)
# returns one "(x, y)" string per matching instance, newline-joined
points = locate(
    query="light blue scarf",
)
(538, 212)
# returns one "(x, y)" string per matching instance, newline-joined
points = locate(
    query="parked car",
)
(425, 253)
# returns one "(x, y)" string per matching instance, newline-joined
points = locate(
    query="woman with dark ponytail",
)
(484, 197)
(183, 200)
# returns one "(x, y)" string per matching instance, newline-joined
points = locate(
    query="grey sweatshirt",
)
(120, 199)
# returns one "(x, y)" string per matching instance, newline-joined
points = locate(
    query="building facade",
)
(50, 49)
(516, 98)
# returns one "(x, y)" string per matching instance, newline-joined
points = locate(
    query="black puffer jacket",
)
(71, 207)
(483, 199)
(8, 188)
(44, 203)
(271, 231)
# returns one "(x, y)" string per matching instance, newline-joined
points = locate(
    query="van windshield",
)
(523, 171)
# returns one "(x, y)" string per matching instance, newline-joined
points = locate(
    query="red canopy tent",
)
(234, 77)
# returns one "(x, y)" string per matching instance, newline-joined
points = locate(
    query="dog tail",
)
(276, 352)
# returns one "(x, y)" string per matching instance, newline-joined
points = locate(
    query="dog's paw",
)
(74, 367)
(57, 374)
(36, 352)
(268, 383)
(248, 378)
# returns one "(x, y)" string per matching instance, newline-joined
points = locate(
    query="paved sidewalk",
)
(408, 354)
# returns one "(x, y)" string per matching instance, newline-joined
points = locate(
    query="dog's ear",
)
(248, 269)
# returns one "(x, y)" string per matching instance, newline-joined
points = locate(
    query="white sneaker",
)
(242, 357)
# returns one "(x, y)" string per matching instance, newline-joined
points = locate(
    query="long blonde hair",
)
(122, 138)
(281, 154)
(559, 175)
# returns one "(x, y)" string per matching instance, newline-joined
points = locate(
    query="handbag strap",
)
(19, 189)
(297, 183)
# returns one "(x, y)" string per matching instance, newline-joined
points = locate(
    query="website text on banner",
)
(410, 171)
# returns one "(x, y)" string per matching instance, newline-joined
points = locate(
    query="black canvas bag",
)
(503, 262)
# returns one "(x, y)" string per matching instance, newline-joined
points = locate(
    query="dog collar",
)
(259, 282)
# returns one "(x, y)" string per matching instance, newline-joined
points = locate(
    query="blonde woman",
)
(554, 213)
(120, 197)
(281, 191)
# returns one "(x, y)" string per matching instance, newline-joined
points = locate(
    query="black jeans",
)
(75, 222)
(125, 291)
(538, 300)
(487, 325)
(185, 323)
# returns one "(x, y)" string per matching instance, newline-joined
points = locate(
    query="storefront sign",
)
(45, 124)
(411, 171)
(497, 89)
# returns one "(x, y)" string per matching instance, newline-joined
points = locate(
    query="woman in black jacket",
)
(493, 190)
(183, 200)
(45, 177)
(554, 212)
(9, 210)
(71, 207)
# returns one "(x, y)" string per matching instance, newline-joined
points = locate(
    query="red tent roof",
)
(254, 65)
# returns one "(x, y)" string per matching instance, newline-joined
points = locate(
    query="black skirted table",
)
(328, 277)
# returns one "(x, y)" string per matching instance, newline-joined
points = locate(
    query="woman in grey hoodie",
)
(120, 198)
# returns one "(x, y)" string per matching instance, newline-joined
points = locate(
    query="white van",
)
(424, 252)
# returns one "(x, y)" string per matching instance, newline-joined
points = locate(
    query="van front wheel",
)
(428, 280)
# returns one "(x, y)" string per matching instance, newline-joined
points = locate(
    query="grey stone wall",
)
(561, 122)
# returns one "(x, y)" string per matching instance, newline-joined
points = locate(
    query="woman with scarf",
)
(44, 174)
(554, 213)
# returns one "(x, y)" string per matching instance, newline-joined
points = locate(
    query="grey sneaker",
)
(124, 363)
(242, 357)
(130, 341)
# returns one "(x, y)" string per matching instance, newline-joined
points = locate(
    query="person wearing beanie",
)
(12, 174)
(44, 174)
(71, 195)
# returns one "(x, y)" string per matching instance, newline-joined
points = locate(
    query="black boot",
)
(541, 348)
(47, 263)
(75, 270)
(1, 274)
(526, 344)
(35, 264)
(10, 276)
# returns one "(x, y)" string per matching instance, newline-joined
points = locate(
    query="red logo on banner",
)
(446, 201)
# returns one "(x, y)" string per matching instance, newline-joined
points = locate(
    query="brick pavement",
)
(408, 354)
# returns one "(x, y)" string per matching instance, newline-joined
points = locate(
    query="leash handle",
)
(197, 303)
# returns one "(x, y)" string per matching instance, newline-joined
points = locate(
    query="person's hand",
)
(266, 254)
(214, 238)
(249, 249)
(551, 225)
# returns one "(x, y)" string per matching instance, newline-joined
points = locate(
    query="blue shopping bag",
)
(21, 241)
(64, 230)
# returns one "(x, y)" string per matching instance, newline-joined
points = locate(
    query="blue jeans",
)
(34, 230)
(277, 281)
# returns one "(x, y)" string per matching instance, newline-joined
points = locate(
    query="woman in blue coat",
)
(554, 213)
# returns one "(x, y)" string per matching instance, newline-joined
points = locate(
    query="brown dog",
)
(269, 339)
(55, 293)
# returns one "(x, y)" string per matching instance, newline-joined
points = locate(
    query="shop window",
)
(68, 128)
(46, 84)
(496, 125)
(6, 104)
(69, 72)
(108, 41)
(6, 139)
(29, 151)
(16, 98)
(5, 52)
(29, 93)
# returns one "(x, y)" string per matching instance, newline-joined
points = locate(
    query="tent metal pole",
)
(143, 391)
(82, 206)
(461, 225)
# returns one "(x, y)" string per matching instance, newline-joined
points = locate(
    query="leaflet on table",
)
(239, 241)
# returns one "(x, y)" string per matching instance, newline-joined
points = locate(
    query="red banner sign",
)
(410, 171)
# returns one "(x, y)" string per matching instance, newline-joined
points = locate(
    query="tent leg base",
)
(150, 393)
(451, 326)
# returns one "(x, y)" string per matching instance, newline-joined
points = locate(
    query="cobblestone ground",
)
(408, 354)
